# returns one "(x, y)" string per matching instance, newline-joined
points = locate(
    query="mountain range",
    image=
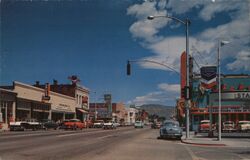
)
(160, 110)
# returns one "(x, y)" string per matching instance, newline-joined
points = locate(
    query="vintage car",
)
(109, 125)
(32, 124)
(156, 125)
(204, 126)
(73, 124)
(228, 126)
(243, 126)
(49, 124)
(98, 124)
(89, 124)
(170, 129)
(17, 126)
(138, 124)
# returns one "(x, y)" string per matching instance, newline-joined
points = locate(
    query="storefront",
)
(7, 107)
(62, 107)
(235, 101)
(82, 103)
(30, 103)
(39, 103)
(29, 109)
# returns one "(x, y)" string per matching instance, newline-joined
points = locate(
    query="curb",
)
(203, 144)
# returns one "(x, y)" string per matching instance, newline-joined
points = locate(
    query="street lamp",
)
(187, 99)
(221, 43)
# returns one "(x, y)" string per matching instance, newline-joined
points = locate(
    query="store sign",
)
(244, 95)
(208, 76)
(232, 96)
(107, 97)
(232, 109)
(63, 107)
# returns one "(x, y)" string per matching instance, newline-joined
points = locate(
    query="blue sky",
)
(46, 40)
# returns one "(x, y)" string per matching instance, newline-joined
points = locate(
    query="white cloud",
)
(203, 45)
(210, 9)
(173, 88)
(242, 61)
(144, 28)
(168, 50)
(166, 95)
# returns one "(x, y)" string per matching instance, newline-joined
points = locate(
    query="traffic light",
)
(182, 93)
(128, 69)
(186, 93)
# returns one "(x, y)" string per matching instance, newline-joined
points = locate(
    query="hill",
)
(160, 110)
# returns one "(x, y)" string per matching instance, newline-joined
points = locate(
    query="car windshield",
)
(171, 124)
(205, 122)
(247, 122)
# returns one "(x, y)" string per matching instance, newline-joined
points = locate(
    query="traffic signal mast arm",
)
(151, 61)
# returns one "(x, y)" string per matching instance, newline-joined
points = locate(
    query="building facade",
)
(131, 115)
(7, 107)
(118, 112)
(235, 100)
(38, 103)
(76, 91)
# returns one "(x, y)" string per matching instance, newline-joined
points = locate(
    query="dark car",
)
(156, 125)
(49, 124)
(170, 129)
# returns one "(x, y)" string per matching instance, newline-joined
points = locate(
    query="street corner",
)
(202, 142)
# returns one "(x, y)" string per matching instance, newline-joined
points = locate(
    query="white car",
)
(17, 126)
(98, 124)
(244, 126)
(109, 125)
(138, 124)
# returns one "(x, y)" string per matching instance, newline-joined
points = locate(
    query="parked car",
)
(156, 125)
(17, 126)
(117, 124)
(49, 124)
(243, 126)
(61, 124)
(31, 124)
(138, 124)
(89, 124)
(109, 125)
(170, 129)
(228, 126)
(74, 124)
(204, 126)
(98, 124)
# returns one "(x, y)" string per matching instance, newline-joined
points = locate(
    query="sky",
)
(93, 39)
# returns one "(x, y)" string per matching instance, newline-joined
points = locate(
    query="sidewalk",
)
(202, 140)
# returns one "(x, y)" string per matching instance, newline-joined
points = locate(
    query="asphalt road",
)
(96, 144)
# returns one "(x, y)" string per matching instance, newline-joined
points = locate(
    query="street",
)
(124, 143)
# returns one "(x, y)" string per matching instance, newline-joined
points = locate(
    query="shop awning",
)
(81, 110)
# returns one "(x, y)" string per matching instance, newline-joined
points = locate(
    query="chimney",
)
(37, 83)
(55, 82)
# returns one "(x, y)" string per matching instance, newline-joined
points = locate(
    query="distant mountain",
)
(160, 110)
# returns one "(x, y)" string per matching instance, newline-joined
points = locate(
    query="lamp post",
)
(221, 43)
(187, 99)
(95, 115)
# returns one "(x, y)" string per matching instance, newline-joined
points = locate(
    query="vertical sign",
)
(107, 99)
(183, 71)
